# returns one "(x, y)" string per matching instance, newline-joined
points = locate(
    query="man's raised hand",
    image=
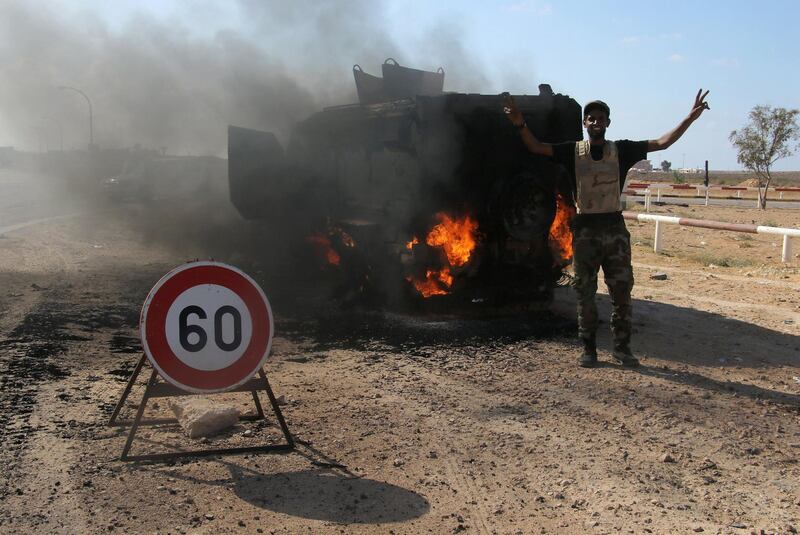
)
(511, 110)
(700, 105)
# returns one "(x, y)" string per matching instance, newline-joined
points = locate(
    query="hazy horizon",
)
(174, 74)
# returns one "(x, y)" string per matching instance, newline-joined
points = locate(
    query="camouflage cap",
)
(596, 105)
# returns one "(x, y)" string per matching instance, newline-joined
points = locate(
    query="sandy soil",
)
(414, 424)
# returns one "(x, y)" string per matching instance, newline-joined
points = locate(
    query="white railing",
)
(659, 220)
(702, 191)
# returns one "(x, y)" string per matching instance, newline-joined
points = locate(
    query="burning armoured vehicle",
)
(417, 193)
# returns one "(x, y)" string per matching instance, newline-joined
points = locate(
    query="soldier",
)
(597, 170)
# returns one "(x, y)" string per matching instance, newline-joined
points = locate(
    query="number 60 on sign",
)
(206, 327)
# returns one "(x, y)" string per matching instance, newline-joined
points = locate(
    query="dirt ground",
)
(413, 424)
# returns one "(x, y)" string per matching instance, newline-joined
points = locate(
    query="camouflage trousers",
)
(608, 247)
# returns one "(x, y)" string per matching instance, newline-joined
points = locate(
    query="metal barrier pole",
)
(647, 200)
(706, 196)
(787, 233)
(659, 195)
(657, 238)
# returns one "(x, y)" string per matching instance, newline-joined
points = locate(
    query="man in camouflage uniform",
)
(597, 169)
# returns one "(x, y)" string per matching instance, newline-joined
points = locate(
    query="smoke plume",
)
(173, 82)
(162, 82)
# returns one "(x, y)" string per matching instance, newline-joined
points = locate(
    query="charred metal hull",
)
(383, 171)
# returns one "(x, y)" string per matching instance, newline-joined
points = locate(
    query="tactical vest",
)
(597, 181)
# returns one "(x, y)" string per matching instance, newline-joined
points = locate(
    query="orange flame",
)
(323, 249)
(346, 238)
(560, 233)
(323, 244)
(432, 285)
(457, 238)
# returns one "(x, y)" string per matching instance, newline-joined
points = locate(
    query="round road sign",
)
(206, 327)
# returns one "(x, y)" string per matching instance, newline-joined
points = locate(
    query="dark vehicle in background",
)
(377, 178)
(146, 179)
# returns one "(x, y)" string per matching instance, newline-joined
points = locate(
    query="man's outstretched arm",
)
(700, 105)
(516, 118)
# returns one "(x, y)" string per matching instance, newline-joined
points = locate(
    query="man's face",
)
(596, 122)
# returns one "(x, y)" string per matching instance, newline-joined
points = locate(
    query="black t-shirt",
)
(628, 152)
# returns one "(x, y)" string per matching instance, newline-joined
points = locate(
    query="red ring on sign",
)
(154, 336)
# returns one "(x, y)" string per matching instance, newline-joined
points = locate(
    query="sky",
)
(174, 73)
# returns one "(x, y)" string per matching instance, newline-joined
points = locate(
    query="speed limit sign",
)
(206, 327)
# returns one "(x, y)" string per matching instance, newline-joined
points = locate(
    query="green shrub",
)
(721, 261)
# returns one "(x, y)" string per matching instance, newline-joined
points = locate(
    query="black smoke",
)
(160, 82)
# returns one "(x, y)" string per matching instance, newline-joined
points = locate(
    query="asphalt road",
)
(29, 197)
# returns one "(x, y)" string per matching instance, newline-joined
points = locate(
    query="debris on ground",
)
(201, 417)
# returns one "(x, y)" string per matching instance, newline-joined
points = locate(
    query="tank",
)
(368, 184)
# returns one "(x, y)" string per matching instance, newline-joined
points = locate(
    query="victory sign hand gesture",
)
(700, 105)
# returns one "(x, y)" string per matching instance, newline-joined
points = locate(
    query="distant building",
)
(644, 166)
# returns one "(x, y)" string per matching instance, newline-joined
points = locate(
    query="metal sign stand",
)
(158, 389)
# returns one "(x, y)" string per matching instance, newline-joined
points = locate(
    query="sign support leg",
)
(138, 417)
(156, 389)
(126, 393)
(277, 409)
(257, 403)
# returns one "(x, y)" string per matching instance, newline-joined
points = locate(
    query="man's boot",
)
(622, 352)
(589, 356)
